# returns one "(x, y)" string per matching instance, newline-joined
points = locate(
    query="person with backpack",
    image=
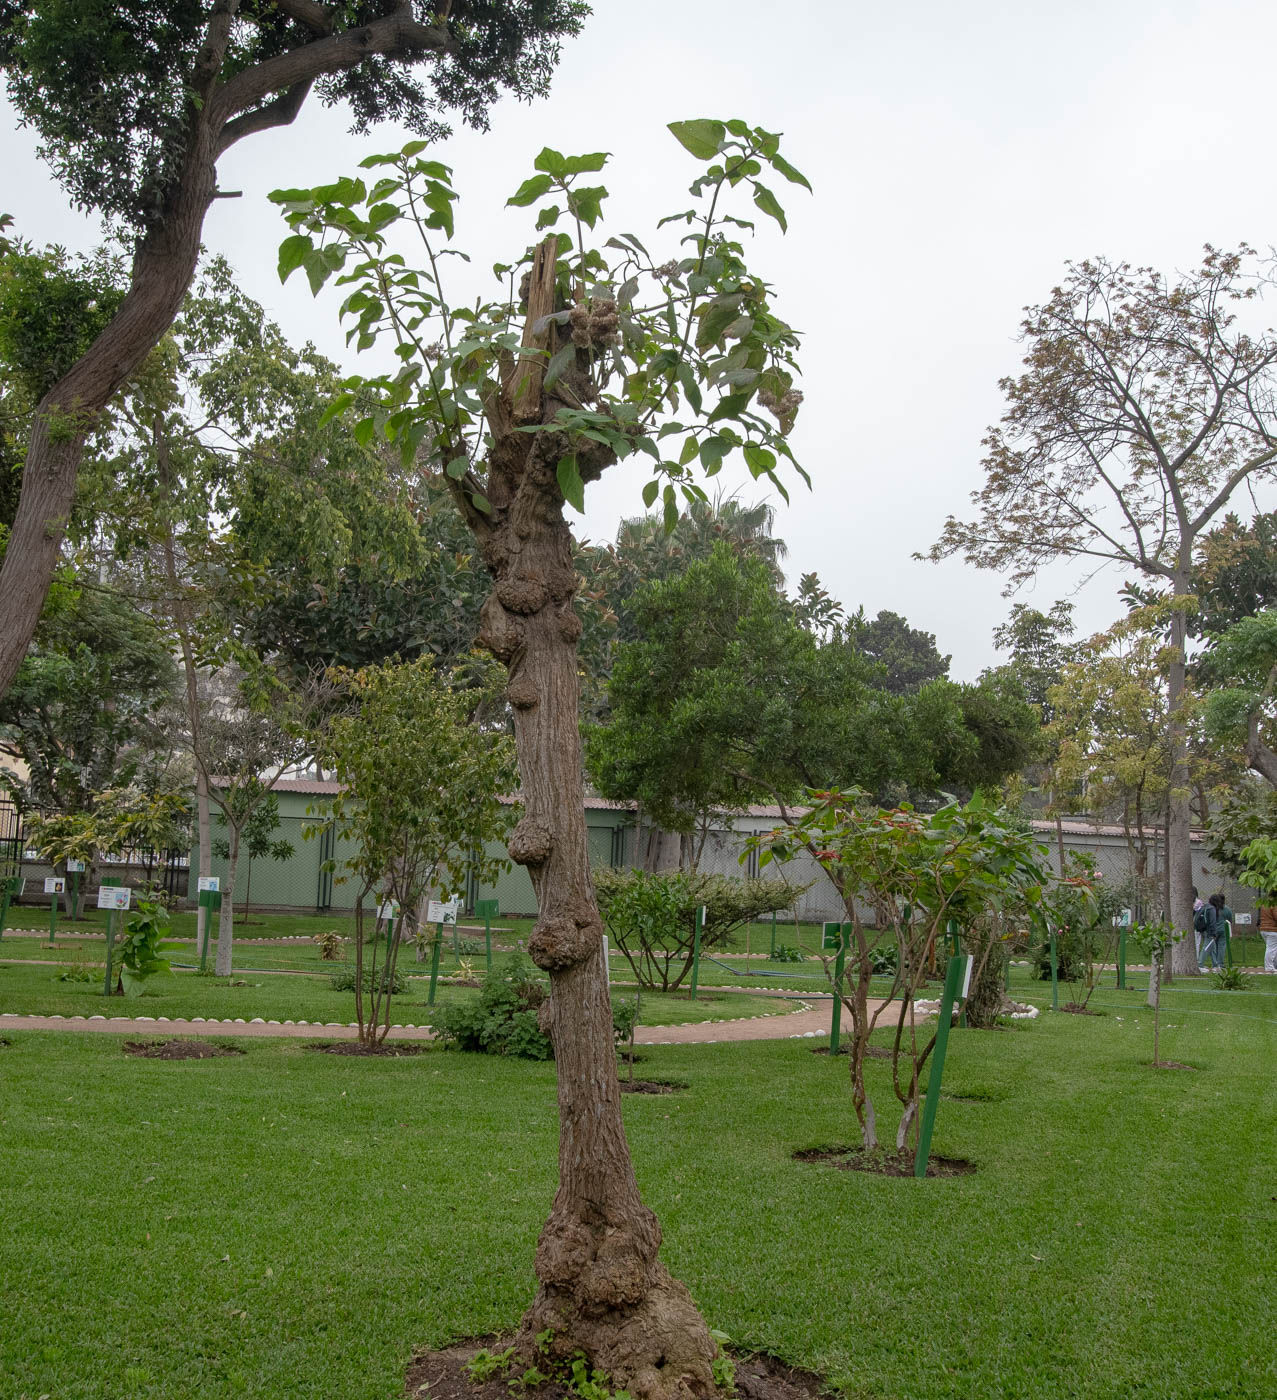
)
(1223, 928)
(1205, 926)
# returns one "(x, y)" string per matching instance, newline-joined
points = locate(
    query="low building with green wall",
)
(301, 883)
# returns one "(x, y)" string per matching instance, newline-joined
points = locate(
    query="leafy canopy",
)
(112, 86)
(677, 359)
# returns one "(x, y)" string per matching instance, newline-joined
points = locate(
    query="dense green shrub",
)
(502, 1019)
(652, 918)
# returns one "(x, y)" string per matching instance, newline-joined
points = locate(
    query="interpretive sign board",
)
(114, 897)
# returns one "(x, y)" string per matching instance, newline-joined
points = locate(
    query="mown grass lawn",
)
(288, 1224)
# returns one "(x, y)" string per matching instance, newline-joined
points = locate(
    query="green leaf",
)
(689, 453)
(577, 165)
(767, 202)
(758, 459)
(702, 137)
(338, 406)
(292, 252)
(587, 203)
(457, 468)
(549, 216)
(318, 269)
(570, 483)
(691, 388)
(712, 450)
(671, 509)
(364, 431)
(795, 177)
(530, 190)
(650, 492)
(559, 361)
(551, 161)
(413, 148)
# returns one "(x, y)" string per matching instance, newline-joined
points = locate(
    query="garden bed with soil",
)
(178, 1050)
(389, 1049)
(884, 1163)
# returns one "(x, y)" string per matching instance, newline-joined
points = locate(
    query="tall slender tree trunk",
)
(602, 1287)
(226, 918)
(1183, 957)
(162, 270)
(203, 825)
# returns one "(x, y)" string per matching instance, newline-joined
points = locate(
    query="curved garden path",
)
(810, 1021)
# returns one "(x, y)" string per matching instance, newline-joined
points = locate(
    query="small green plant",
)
(532, 1377)
(624, 1017)
(142, 947)
(332, 946)
(724, 1369)
(1230, 979)
(591, 1384)
(485, 1364)
(786, 953)
(81, 969)
(344, 981)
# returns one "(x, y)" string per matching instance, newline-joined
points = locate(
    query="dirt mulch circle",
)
(179, 1050)
(872, 1052)
(1075, 1010)
(1172, 1064)
(626, 1058)
(856, 1159)
(652, 1086)
(442, 1375)
(387, 1050)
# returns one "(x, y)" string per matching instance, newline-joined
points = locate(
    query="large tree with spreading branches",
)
(135, 104)
(1146, 405)
(590, 355)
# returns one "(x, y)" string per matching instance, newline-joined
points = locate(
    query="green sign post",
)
(1055, 973)
(434, 963)
(836, 939)
(487, 910)
(772, 954)
(952, 983)
(696, 949)
(1121, 958)
(955, 936)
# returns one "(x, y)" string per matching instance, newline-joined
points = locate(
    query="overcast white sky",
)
(959, 156)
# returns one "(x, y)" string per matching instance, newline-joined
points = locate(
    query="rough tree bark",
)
(226, 916)
(163, 266)
(602, 1287)
(1183, 958)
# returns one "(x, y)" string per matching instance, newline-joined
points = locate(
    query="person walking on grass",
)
(1223, 930)
(1204, 927)
(1268, 927)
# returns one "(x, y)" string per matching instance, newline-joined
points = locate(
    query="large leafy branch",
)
(683, 360)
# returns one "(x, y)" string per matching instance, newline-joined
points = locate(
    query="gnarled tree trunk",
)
(602, 1287)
